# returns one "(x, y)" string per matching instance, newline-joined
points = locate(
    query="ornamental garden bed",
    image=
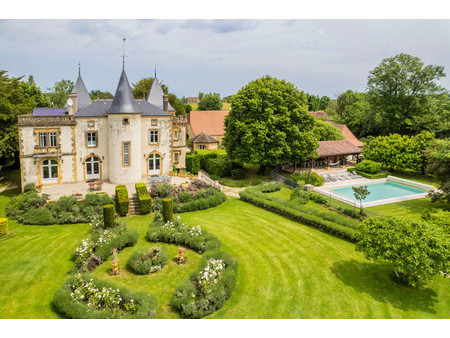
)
(147, 261)
(191, 196)
(87, 297)
(207, 289)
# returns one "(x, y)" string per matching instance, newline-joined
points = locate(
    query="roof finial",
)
(123, 49)
(155, 72)
(79, 68)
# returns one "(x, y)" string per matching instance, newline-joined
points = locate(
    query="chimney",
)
(166, 102)
(72, 107)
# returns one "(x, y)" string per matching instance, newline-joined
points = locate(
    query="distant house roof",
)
(332, 148)
(204, 137)
(100, 108)
(320, 114)
(210, 121)
(49, 111)
(348, 135)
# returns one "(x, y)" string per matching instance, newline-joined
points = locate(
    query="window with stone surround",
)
(91, 138)
(126, 154)
(153, 136)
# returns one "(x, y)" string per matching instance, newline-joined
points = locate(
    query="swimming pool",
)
(379, 191)
(382, 191)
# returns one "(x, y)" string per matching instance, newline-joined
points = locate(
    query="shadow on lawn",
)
(375, 280)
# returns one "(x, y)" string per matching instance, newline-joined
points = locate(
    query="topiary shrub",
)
(368, 166)
(3, 226)
(81, 297)
(193, 164)
(167, 207)
(238, 174)
(29, 187)
(145, 200)
(145, 261)
(109, 215)
(207, 289)
(122, 200)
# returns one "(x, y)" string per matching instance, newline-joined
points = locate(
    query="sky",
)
(321, 57)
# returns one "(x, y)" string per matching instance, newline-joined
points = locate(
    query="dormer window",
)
(125, 121)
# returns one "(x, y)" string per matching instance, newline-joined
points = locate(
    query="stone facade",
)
(124, 147)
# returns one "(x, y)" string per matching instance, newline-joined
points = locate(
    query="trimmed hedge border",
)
(371, 176)
(64, 304)
(122, 200)
(145, 200)
(203, 305)
(297, 215)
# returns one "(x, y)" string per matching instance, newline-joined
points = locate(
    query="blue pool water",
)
(379, 191)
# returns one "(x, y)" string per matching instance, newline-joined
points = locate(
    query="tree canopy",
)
(99, 95)
(210, 102)
(316, 103)
(417, 250)
(439, 166)
(60, 92)
(325, 131)
(399, 152)
(269, 124)
(17, 97)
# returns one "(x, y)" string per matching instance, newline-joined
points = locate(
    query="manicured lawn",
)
(286, 270)
(408, 209)
(251, 174)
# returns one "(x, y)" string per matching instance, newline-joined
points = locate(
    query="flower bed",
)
(144, 261)
(178, 232)
(30, 208)
(95, 250)
(189, 197)
(207, 290)
(86, 297)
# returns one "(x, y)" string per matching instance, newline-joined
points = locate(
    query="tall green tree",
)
(325, 131)
(60, 92)
(17, 97)
(99, 95)
(400, 89)
(439, 166)
(269, 124)
(417, 250)
(210, 102)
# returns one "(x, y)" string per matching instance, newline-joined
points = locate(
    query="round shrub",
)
(144, 261)
(29, 187)
(3, 226)
(108, 215)
(238, 174)
(39, 216)
(167, 204)
(369, 167)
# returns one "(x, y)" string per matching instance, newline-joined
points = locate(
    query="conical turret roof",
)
(156, 94)
(83, 97)
(124, 101)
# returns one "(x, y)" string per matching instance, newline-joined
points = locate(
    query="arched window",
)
(49, 170)
(92, 168)
(154, 164)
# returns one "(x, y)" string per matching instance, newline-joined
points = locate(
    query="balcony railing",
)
(47, 150)
(57, 120)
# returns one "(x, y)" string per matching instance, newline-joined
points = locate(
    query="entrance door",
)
(154, 164)
(49, 171)
(92, 168)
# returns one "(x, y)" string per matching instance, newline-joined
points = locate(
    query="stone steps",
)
(134, 208)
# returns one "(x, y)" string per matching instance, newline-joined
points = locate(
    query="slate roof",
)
(341, 147)
(348, 135)
(49, 111)
(100, 108)
(204, 137)
(124, 101)
(156, 95)
(83, 97)
(211, 121)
